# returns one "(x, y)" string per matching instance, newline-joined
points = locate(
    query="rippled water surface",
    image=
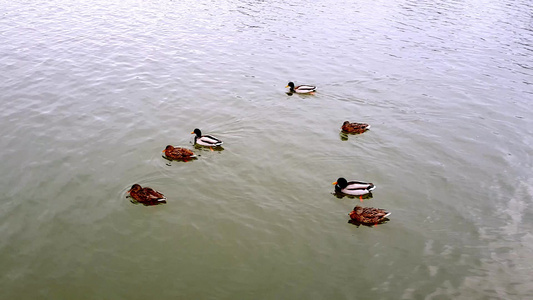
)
(92, 91)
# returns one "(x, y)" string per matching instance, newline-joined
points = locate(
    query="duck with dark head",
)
(301, 89)
(206, 140)
(353, 188)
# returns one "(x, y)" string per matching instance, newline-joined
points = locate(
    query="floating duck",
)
(178, 153)
(206, 140)
(353, 188)
(301, 89)
(146, 196)
(354, 127)
(368, 215)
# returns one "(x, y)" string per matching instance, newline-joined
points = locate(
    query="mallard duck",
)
(206, 140)
(368, 215)
(146, 196)
(301, 89)
(354, 127)
(353, 188)
(177, 153)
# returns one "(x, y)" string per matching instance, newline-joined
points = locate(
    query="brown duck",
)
(368, 215)
(146, 195)
(354, 127)
(177, 153)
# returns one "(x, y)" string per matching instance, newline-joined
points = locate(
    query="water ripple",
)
(92, 92)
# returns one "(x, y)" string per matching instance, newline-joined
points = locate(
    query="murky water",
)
(92, 91)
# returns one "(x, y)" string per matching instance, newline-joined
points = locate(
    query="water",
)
(92, 91)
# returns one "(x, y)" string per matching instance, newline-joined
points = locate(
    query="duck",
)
(353, 188)
(368, 215)
(146, 195)
(206, 140)
(354, 127)
(178, 153)
(301, 89)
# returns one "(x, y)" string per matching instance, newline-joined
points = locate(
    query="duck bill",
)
(163, 151)
(334, 183)
(287, 86)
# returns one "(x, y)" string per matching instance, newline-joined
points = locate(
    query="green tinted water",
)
(93, 91)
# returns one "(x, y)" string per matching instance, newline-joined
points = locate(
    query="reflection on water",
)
(93, 91)
(357, 224)
(361, 197)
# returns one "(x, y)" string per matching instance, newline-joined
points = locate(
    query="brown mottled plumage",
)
(146, 196)
(177, 153)
(368, 215)
(354, 127)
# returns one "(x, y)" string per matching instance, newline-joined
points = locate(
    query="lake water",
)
(92, 92)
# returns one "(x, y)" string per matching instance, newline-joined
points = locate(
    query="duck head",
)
(356, 211)
(197, 132)
(135, 188)
(169, 147)
(291, 85)
(340, 184)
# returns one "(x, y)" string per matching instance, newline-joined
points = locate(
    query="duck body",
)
(301, 89)
(354, 127)
(206, 140)
(178, 153)
(146, 195)
(368, 215)
(354, 188)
